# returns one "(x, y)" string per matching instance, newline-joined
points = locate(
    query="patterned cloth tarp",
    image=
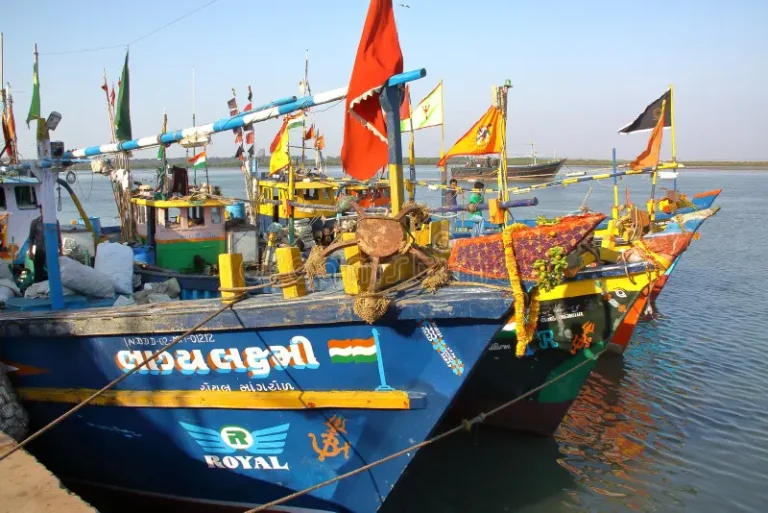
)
(668, 246)
(484, 256)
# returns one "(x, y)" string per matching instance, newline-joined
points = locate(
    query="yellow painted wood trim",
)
(178, 203)
(238, 400)
(587, 287)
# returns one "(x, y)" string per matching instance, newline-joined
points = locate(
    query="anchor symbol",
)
(330, 438)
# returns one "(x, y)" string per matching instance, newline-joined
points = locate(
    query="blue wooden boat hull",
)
(248, 410)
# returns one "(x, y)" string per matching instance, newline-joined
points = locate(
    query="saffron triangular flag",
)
(483, 138)
(320, 142)
(405, 106)
(281, 157)
(198, 161)
(276, 140)
(364, 150)
(650, 156)
(310, 133)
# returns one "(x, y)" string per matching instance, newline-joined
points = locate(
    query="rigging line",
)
(465, 425)
(112, 47)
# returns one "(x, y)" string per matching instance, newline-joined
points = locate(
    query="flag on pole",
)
(364, 150)
(483, 138)
(295, 121)
(105, 87)
(650, 156)
(161, 148)
(123, 111)
(429, 112)
(249, 135)
(198, 161)
(310, 133)
(405, 106)
(320, 142)
(353, 351)
(232, 104)
(647, 120)
(34, 107)
(250, 94)
(281, 157)
(112, 96)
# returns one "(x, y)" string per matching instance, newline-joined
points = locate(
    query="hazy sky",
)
(580, 69)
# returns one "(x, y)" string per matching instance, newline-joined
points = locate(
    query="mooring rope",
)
(464, 426)
(98, 393)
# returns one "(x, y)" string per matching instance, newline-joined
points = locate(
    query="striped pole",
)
(581, 179)
(263, 113)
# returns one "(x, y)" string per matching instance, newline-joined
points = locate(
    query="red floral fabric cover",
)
(484, 256)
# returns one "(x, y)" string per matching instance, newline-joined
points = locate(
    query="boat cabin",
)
(18, 208)
(184, 233)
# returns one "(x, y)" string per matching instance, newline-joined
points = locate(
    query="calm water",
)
(680, 423)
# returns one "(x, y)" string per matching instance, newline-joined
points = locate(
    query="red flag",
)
(112, 96)
(249, 137)
(105, 87)
(248, 107)
(309, 134)
(379, 57)
(405, 107)
(276, 140)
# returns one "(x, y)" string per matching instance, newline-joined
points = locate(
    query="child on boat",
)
(477, 215)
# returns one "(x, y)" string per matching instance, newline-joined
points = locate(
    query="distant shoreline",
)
(215, 162)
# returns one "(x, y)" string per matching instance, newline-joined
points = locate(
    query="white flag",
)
(428, 113)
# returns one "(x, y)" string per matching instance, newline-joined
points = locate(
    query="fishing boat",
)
(286, 356)
(487, 168)
(572, 174)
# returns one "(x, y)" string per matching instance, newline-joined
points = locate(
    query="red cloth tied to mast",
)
(364, 150)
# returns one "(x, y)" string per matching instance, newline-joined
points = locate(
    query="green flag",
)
(34, 108)
(123, 111)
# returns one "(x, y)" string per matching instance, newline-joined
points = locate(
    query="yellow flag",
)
(281, 158)
(483, 138)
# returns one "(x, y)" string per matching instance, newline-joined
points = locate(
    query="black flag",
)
(647, 120)
(239, 153)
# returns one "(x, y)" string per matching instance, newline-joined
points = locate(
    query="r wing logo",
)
(231, 439)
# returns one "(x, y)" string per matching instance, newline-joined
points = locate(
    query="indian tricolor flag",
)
(296, 121)
(198, 161)
(353, 350)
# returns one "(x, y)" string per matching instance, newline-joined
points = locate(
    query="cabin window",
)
(312, 194)
(25, 197)
(174, 218)
(326, 194)
(216, 215)
(195, 216)
(141, 214)
(3, 205)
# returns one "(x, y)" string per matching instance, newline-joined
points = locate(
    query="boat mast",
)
(501, 102)
(304, 91)
(116, 188)
(194, 149)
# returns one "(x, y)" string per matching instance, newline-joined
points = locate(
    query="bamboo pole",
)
(444, 170)
(411, 152)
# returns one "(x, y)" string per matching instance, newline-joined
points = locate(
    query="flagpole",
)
(116, 190)
(652, 201)
(411, 152)
(304, 92)
(194, 149)
(444, 170)
(615, 209)
(503, 192)
(672, 121)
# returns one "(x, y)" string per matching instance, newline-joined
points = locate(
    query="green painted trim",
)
(180, 256)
